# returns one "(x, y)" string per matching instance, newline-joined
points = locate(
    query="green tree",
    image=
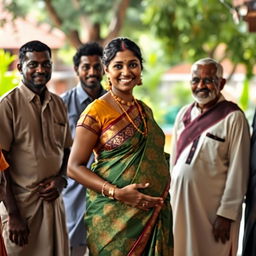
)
(192, 29)
(188, 29)
(80, 20)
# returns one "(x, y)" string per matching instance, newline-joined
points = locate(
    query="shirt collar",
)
(30, 95)
(83, 95)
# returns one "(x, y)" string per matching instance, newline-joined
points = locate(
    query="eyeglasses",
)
(205, 81)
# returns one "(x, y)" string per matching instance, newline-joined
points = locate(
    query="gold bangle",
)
(102, 188)
(111, 192)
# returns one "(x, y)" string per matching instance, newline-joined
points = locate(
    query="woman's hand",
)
(131, 196)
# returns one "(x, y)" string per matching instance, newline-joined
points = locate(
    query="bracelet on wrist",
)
(111, 192)
(102, 188)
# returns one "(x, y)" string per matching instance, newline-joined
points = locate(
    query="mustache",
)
(202, 90)
(40, 74)
(92, 76)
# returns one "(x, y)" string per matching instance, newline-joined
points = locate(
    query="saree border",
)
(120, 126)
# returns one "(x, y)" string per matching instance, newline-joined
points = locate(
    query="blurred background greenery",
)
(170, 32)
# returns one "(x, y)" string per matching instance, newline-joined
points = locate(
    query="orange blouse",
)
(98, 116)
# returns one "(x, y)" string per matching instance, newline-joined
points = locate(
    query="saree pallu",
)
(115, 228)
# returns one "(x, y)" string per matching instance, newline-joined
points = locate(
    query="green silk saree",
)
(124, 156)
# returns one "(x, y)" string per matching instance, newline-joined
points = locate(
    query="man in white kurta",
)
(209, 176)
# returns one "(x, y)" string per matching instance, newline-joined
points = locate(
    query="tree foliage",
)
(188, 29)
(81, 20)
(192, 29)
(8, 80)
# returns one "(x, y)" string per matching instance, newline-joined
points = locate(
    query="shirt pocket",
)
(59, 132)
(214, 151)
(214, 137)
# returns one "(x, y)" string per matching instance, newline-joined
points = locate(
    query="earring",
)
(108, 85)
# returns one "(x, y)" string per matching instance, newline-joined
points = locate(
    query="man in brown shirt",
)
(35, 137)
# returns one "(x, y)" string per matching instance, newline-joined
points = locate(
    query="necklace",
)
(120, 100)
(129, 118)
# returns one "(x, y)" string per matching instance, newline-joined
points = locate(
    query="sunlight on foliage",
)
(8, 80)
(244, 99)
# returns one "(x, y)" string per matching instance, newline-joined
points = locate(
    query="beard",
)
(204, 100)
(91, 85)
(43, 77)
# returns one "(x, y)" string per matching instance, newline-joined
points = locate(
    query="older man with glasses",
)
(209, 167)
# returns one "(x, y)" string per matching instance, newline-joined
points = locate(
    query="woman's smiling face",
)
(124, 71)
